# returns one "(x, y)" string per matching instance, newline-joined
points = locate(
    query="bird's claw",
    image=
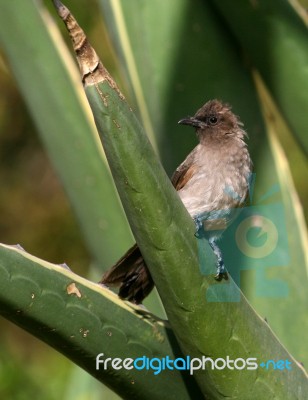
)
(221, 275)
(221, 272)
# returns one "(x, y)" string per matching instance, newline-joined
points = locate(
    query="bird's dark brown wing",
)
(184, 172)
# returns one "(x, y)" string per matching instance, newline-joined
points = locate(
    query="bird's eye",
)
(213, 120)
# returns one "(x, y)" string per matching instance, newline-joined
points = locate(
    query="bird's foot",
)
(221, 275)
(221, 272)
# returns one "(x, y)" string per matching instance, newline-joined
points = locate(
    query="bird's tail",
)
(131, 274)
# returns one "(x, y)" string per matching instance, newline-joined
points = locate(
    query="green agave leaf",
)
(200, 59)
(47, 78)
(165, 236)
(149, 64)
(275, 38)
(287, 306)
(81, 320)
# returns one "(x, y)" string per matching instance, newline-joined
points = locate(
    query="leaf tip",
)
(61, 9)
(91, 69)
(86, 56)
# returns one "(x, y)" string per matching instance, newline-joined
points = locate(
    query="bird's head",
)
(216, 120)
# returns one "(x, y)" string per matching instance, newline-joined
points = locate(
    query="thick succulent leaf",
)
(280, 293)
(80, 319)
(165, 236)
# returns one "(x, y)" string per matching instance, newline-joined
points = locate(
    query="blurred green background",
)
(36, 213)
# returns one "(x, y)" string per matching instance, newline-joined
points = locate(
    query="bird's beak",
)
(191, 121)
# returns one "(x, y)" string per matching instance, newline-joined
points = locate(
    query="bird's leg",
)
(221, 269)
(198, 224)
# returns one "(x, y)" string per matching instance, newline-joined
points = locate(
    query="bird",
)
(213, 184)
